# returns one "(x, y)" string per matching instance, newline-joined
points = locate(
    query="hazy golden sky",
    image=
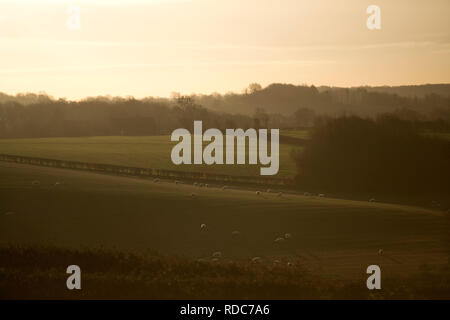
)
(155, 47)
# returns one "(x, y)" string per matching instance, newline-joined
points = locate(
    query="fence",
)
(145, 172)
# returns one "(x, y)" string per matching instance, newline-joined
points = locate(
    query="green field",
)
(339, 238)
(144, 152)
(301, 134)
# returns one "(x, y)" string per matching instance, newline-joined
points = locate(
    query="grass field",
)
(301, 134)
(338, 238)
(144, 152)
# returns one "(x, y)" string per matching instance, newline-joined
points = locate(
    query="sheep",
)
(195, 183)
(269, 190)
(435, 203)
(224, 187)
(156, 180)
(372, 200)
(279, 240)
(56, 184)
(290, 264)
(235, 233)
(321, 195)
(36, 183)
(287, 236)
(276, 262)
(306, 194)
(258, 193)
(203, 227)
(206, 185)
(177, 182)
(280, 194)
(217, 254)
(193, 195)
(256, 260)
(380, 252)
(215, 259)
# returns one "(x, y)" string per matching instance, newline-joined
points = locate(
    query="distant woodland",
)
(275, 106)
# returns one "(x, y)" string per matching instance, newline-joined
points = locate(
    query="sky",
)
(156, 47)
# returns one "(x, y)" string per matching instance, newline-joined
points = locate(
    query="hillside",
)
(46, 206)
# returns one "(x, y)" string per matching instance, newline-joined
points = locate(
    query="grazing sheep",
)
(380, 252)
(193, 195)
(280, 194)
(177, 182)
(217, 254)
(290, 264)
(203, 227)
(372, 200)
(235, 233)
(258, 193)
(287, 236)
(306, 194)
(156, 180)
(321, 195)
(215, 259)
(279, 240)
(56, 184)
(195, 183)
(224, 187)
(276, 262)
(256, 260)
(435, 203)
(206, 185)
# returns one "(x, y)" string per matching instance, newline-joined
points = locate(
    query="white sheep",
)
(276, 262)
(206, 185)
(256, 260)
(321, 195)
(380, 252)
(306, 194)
(290, 264)
(195, 183)
(235, 233)
(372, 200)
(279, 240)
(203, 227)
(217, 254)
(287, 236)
(177, 182)
(215, 259)
(258, 193)
(193, 195)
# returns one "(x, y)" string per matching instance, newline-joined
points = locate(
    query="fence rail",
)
(144, 172)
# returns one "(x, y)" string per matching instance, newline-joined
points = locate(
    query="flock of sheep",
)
(217, 255)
